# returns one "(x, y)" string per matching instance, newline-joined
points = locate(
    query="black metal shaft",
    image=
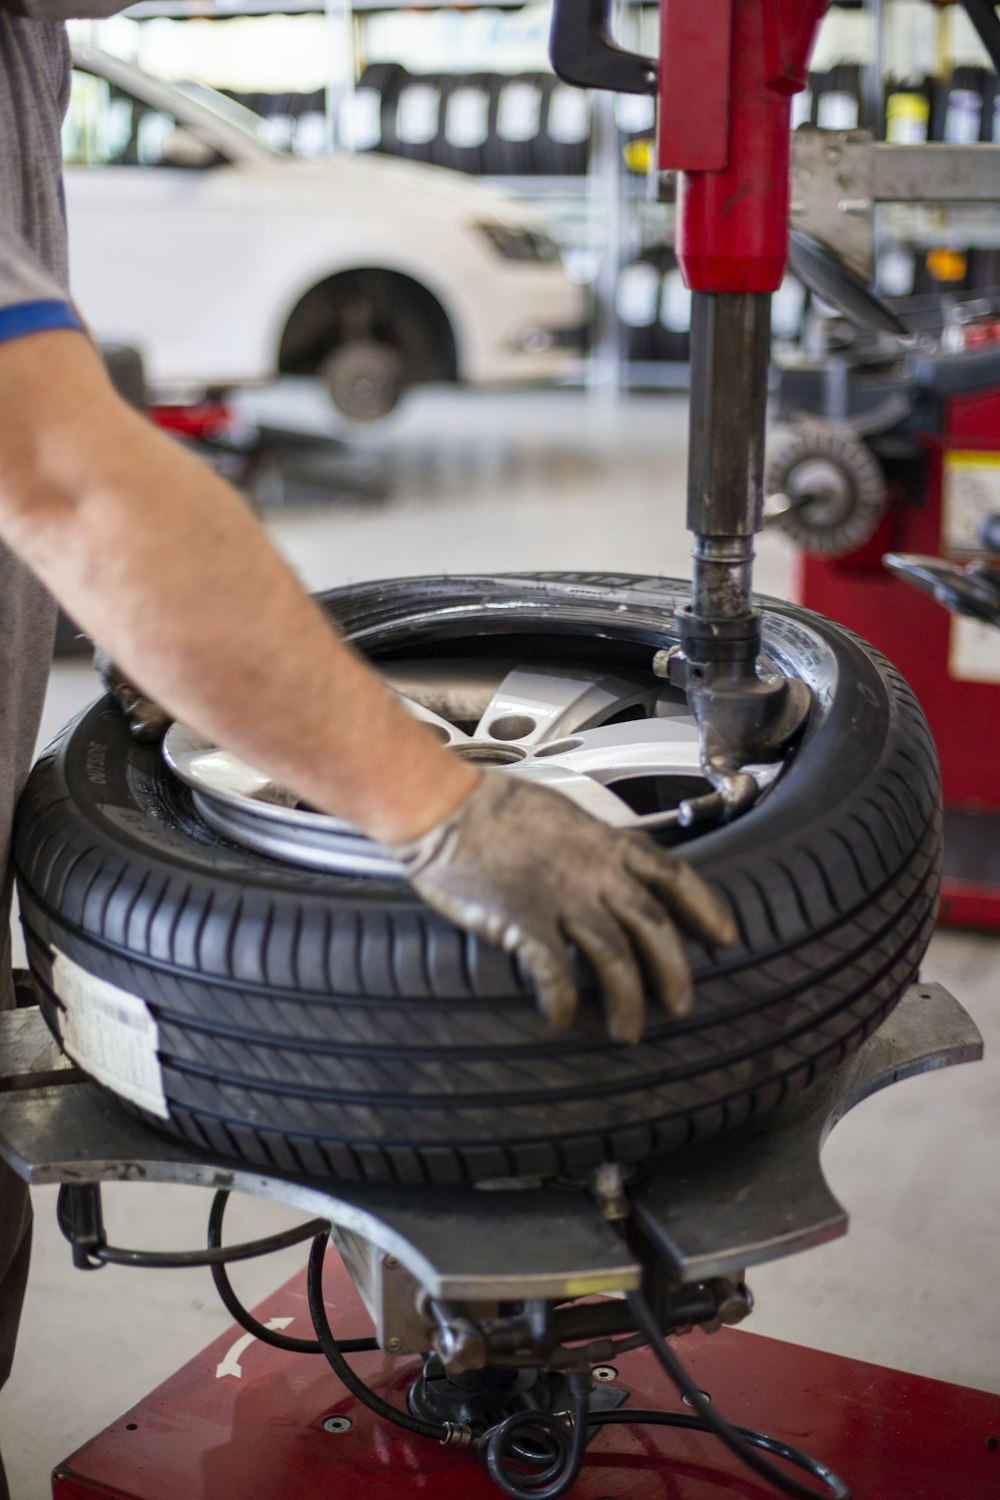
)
(730, 352)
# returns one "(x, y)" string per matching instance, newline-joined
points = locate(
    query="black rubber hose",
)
(112, 1255)
(246, 1319)
(539, 1441)
(690, 1423)
(737, 1440)
(334, 1353)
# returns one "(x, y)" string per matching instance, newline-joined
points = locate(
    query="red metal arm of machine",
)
(726, 75)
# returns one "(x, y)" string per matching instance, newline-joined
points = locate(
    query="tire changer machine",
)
(894, 448)
(541, 1310)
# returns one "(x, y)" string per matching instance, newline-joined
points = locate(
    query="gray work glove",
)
(147, 721)
(524, 868)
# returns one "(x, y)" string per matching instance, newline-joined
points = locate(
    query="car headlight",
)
(517, 242)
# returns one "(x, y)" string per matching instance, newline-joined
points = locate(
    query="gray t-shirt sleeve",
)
(31, 300)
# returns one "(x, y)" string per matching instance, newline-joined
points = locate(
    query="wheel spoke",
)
(595, 798)
(641, 747)
(448, 733)
(537, 705)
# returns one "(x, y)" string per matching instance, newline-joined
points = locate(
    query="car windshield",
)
(235, 115)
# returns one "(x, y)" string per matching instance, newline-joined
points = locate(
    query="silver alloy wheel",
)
(589, 734)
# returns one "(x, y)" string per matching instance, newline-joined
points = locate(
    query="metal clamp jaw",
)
(745, 715)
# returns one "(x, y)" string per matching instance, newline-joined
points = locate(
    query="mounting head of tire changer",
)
(746, 714)
(723, 127)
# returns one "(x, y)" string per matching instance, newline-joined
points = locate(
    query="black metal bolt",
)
(993, 1442)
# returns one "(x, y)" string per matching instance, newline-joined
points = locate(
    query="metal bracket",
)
(759, 1194)
(838, 177)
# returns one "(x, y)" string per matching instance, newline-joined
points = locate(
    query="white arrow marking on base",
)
(231, 1364)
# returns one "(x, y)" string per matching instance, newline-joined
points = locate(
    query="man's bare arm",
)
(163, 563)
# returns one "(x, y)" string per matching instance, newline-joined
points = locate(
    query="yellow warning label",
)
(971, 492)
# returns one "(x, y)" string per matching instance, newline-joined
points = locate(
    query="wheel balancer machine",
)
(525, 1292)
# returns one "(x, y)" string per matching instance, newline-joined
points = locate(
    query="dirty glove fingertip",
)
(678, 1001)
(626, 1030)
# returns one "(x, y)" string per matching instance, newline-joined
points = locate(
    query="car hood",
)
(429, 187)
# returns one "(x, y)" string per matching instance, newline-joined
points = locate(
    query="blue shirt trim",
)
(36, 317)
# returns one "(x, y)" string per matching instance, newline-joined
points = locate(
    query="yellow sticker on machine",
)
(970, 493)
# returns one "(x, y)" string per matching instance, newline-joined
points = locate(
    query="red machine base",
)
(245, 1422)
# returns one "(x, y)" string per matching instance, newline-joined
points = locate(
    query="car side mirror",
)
(182, 148)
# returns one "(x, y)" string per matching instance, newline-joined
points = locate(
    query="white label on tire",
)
(638, 289)
(837, 111)
(360, 119)
(111, 1034)
(467, 118)
(675, 303)
(635, 113)
(311, 134)
(417, 114)
(519, 112)
(973, 651)
(787, 307)
(569, 116)
(897, 270)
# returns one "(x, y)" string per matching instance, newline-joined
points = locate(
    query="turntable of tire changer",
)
(275, 1036)
(518, 1293)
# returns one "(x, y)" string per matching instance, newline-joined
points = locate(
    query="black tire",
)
(559, 153)
(466, 104)
(422, 147)
(518, 110)
(638, 303)
(335, 1025)
(385, 79)
(673, 327)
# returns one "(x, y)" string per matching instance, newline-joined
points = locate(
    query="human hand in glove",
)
(523, 867)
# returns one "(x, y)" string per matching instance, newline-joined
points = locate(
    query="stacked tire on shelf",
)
(530, 124)
(653, 307)
(488, 124)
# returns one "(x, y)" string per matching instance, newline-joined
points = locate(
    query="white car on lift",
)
(228, 262)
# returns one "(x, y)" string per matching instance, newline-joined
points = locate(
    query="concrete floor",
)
(546, 481)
